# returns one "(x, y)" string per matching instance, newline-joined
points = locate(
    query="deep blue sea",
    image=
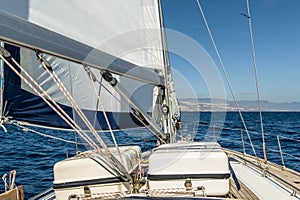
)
(33, 156)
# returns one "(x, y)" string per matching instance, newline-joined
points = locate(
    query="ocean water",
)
(33, 155)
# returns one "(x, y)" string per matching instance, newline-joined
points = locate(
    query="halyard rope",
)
(25, 128)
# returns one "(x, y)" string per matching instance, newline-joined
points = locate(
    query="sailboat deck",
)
(261, 177)
(253, 185)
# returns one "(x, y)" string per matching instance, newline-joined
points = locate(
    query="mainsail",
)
(121, 37)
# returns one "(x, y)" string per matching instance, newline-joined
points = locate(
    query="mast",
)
(168, 102)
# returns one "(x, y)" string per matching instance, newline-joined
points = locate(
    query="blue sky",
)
(276, 30)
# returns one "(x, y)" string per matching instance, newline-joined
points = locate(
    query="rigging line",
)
(39, 94)
(84, 136)
(73, 112)
(234, 129)
(259, 147)
(93, 79)
(226, 76)
(289, 138)
(256, 80)
(290, 155)
(66, 117)
(97, 104)
(252, 132)
(123, 104)
(90, 142)
(1, 86)
(70, 122)
(109, 156)
(43, 134)
(63, 89)
(2, 107)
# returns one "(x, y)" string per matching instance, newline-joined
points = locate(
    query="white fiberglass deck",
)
(264, 188)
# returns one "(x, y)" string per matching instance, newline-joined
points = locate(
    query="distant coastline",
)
(220, 105)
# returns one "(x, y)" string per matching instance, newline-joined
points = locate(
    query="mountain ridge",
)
(214, 104)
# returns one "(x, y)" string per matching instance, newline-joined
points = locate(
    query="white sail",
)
(124, 31)
(127, 30)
